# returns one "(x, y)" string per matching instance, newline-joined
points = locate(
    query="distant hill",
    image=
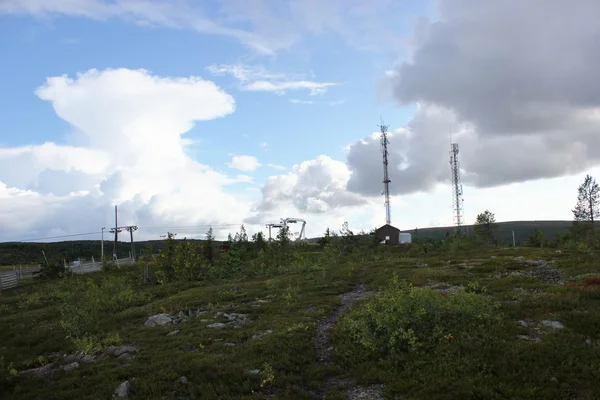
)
(522, 230)
(21, 253)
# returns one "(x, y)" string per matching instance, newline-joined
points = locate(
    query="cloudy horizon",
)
(245, 113)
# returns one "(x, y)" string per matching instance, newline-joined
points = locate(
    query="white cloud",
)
(314, 186)
(244, 163)
(275, 166)
(51, 188)
(264, 26)
(297, 101)
(264, 146)
(258, 79)
(314, 88)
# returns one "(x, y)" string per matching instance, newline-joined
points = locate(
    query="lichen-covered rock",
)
(123, 390)
(158, 319)
(119, 350)
(72, 366)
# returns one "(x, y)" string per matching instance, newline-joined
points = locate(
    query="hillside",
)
(522, 230)
(20, 253)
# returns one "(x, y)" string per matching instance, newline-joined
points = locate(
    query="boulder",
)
(123, 390)
(158, 319)
(70, 367)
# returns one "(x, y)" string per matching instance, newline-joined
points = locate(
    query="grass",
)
(476, 364)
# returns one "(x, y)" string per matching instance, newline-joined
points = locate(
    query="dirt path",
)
(324, 347)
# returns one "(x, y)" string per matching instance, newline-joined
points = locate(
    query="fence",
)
(83, 267)
(11, 279)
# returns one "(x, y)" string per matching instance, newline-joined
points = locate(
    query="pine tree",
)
(208, 246)
(242, 237)
(588, 201)
(326, 239)
(485, 225)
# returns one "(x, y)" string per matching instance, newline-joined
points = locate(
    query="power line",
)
(56, 237)
(193, 227)
(190, 227)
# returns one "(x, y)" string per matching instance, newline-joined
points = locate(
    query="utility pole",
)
(130, 229)
(102, 245)
(116, 230)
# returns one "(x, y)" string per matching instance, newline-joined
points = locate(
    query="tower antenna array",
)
(386, 179)
(457, 191)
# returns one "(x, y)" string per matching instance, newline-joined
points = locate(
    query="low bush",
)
(406, 319)
(53, 270)
(83, 302)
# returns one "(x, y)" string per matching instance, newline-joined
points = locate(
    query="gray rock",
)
(123, 390)
(229, 344)
(72, 366)
(588, 341)
(87, 359)
(158, 319)
(217, 340)
(262, 334)
(253, 371)
(125, 348)
(206, 320)
(181, 315)
(523, 323)
(173, 333)
(553, 324)
(182, 380)
(125, 356)
(372, 392)
(71, 358)
(216, 325)
(262, 301)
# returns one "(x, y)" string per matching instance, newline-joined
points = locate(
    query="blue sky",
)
(98, 95)
(55, 46)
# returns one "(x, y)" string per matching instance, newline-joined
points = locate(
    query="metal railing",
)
(13, 278)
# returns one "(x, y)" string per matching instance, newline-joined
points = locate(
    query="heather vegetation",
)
(464, 317)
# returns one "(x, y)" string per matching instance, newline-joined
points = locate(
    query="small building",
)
(388, 234)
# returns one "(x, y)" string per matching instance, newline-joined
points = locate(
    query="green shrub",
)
(82, 302)
(52, 271)
(406, 319)
(109, 265)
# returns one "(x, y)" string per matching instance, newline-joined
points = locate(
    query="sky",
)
(189, 114)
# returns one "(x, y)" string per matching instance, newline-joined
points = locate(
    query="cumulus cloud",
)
(258, 79)
(244, 163)
(313, 187)
(516, 83)
(133, 124)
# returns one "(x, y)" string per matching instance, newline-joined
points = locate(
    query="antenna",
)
(457, 191)
(386, 179)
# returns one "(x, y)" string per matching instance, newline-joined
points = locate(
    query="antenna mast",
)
(386, 179)
(457, 191)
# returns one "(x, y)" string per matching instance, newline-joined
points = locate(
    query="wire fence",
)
(19, 275)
